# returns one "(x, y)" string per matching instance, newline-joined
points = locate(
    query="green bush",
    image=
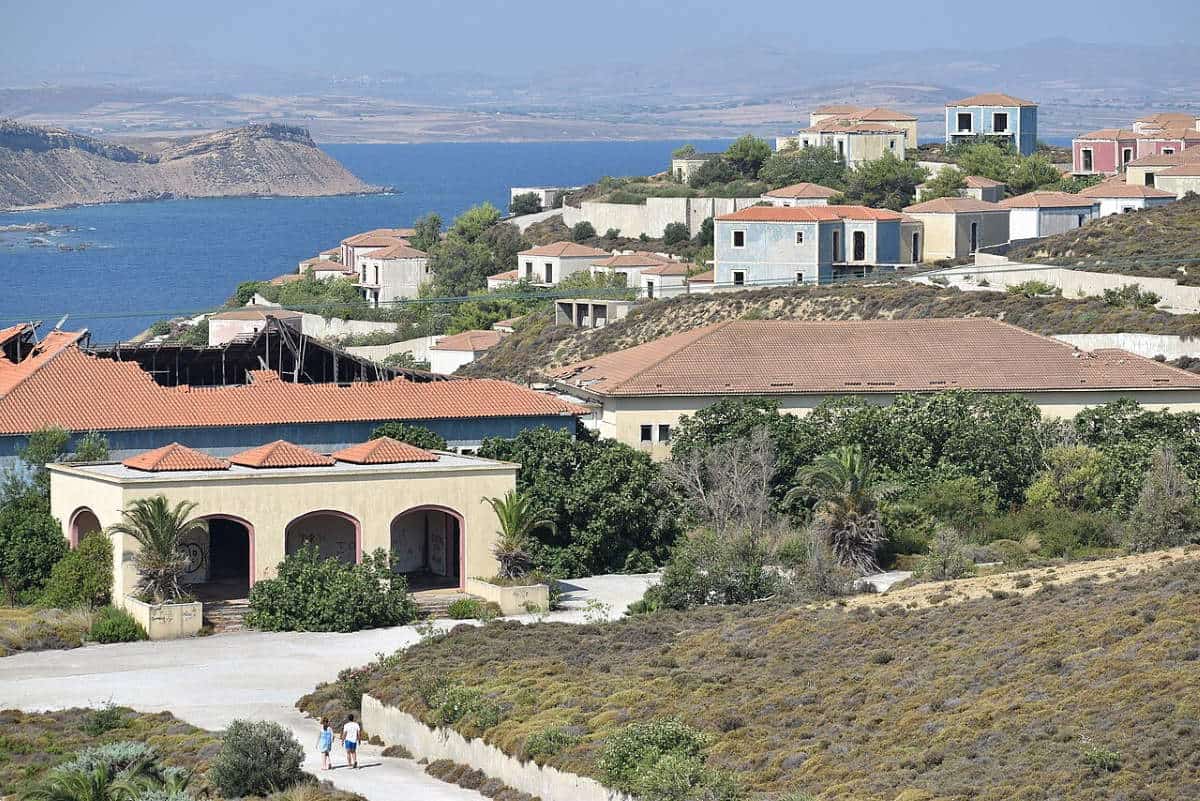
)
(582, 231)
(313, 594)
(473, 609)
(675, 233)
(1033, 289)
(83, 577)
(706, 568)
(414, 435)
(947, 558)
(662, 760)
(116, 625)
(454, 702)
(104, 719)
(31, 541)
(525, 203)
(548, 742)
(256, 758)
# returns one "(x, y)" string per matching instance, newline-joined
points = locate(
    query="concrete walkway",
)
(209, 681)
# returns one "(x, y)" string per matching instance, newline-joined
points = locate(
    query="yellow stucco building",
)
(427, 508)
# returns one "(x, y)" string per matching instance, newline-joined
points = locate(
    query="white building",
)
(452, 352)
(547, 265)
(629, 265)
(854, 142)
(801, 194)
(354, 247)
(248, 321)
(548, 196)
(664, 280)
(1119, 197)
(392, 273)
(1038, 214)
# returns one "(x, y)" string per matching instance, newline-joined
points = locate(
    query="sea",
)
(116, 268)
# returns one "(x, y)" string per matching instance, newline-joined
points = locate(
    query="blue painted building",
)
(773, 246)
(993, 116)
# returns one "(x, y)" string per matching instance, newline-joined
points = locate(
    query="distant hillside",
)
(47, 167)
(538, 345)
(1163, 241)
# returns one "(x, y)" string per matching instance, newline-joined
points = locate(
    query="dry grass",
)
(999, 697)
(539, 345)
(31, 628)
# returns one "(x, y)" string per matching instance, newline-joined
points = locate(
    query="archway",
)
(221, 558)
(83, 522)
(427, 542)
(337, 535)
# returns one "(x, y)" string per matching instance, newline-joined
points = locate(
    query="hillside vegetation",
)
(47, 167)
(1162, 242)
(1072, 693)
(538, 345)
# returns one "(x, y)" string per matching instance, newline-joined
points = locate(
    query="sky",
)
(515, 36)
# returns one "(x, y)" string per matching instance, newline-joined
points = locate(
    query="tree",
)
(44, 446)
(717, 170)
(1077, 183)
(159, 530)
(92, 447)
(685, 152)
(1073, 479)
(427, 232)
(525, 203)
(847, 511)
(1032, 172)
(519, 517)
(1166, 514)
(83, 577)
(704, 237)
(505, 241)
(676, 232)
(947, 182)
(31, 541)
(471, 224)
(414, 435)
(816, 165)
(886, 182)
(984, 159)
(582, 231)
(747, 155)
(727, 485)
(460, 266)
(257, 758)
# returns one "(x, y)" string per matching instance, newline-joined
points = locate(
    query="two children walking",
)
(350, 733)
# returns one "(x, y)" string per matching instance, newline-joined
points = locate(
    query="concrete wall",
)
(1149, 345)
(1120, 205)
(397, 278)
(418, 347)
(314, 325)
(771, 253)
(396, 727)
(1036, 223)
(447, 361)
(652, 217)
(1178, 185)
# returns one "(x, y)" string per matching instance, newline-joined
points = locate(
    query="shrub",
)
(965, 503)
(455, 702)
(548, 742)
(525, 203)
(582, 230)
(661, 760)
(311, 594)
(821, 575)
(472, 609)
(1131, 296)
(31, 542)
(256, 758)
(947, 558)
(1033, 289)
(705, 568)
(104, 719)
(116, 625)
(112, 757)
(83, 577)
(414, 435)
(1166, 514)
(675, 233)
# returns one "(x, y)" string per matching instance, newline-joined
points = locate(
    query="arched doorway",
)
(427, 542)
(221, 558)
(337, 535)
(83, 522)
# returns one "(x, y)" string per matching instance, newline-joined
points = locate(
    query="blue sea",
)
(145, 261)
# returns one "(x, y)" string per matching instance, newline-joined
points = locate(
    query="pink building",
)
(1107, 151)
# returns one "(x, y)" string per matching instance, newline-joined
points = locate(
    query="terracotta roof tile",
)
(672, 268)
(1110, 133)
(1184, 156)
(12, 331)
(777, 357)
(331, 252)
(43, 355)
(175, 457)
(705, 277)
(1047, 200)
(281, 453)
(844, 125)
(1191, 169)
(568, 249)
(632, 260)
(952, 205)
(808, 214)
(884, 115)
(992, 99)
(257, 313)
(834, 109)
(510, 275)
(384, 450)
(398, 251)
(81, 392)
(365, 237)
(803, 190)
(980, 182)
(476, 340)
(327, 266)
(1118, 189)
(287, 278)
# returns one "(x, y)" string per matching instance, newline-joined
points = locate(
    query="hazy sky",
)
(503, 35)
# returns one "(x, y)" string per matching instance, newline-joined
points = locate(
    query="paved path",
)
(209, 681)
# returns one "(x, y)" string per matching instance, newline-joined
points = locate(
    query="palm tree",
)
(519, 517)
(100, 783)
(160, 530)
(847, 510)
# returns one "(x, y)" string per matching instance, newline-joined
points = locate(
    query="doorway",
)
(860, 245)
(428, 548)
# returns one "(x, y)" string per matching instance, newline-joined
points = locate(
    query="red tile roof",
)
(952, 205)
(61, 385)
(12, 331)
(281, 453)
(672, 268)
(327, 266)
(561, 249)
(883, 115)
(510, 275)
(808, 214)
(258, 313)
(287, 278)
(785, 357)
(378, 234)
(992, 99)
(1167, 159)
(384, 450)
(803, 190)
(175, 457)
(844, 125)
(632, 260)
(836, 109)
(1047, 200)
(398, 251)
(476, 340)
(1117, 189)
(1110, 133)
(1186, 169)
(705, 277)
(980, 182)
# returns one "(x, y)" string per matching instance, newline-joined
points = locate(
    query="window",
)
(377, 274)
(974, 236)
(892, 144)
(739, 278)
(841, 149)
(679, 173)
(964, 122)
(1127, 209)
(1082, 219)
(664, 432)
(916, 248)
(649, 289)
(1126, 155)
(529, 270)
(1168, 151)
(647, 433)
(1000, 122)
(1148, 180)
(799, 278)
(837, 245)
(1085, 156)
(739, 239)
(549, 272)
(804, 143)
(860, 245)
(799, 237)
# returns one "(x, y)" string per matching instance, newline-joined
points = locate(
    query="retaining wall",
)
(396, 727)
(1148, 345)
(652, 217)
(314, 325)
(418, 347)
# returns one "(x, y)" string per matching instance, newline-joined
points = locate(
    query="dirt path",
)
(1025, 582)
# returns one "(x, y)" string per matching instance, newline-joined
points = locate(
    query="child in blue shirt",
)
(325, 743)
